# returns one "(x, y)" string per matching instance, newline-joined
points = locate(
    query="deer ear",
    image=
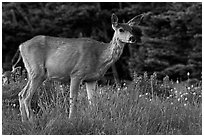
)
(136, 20)
(114, 19)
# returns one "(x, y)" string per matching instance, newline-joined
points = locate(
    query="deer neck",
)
(116, 48)
(112, 51)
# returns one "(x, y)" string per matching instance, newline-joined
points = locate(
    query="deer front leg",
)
(74, 87)
(90, 87)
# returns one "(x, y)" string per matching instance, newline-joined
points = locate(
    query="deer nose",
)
(132, 39)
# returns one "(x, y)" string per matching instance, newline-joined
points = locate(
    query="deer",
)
(73, 60)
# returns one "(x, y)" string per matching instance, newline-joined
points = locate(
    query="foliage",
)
(135, 108)
(171, 44)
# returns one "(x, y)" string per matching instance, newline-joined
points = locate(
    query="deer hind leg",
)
(74, 87)
(26, 95)
(90, 87)
(22, 95)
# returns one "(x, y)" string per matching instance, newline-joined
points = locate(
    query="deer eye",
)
(121, 30)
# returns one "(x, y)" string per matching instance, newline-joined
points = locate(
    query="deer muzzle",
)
(132, 39)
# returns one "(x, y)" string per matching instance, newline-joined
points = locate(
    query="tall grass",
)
(137, 108)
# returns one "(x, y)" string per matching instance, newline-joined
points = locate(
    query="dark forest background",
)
(171, 43)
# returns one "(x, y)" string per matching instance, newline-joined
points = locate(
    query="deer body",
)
(89, 58)
(70, 59)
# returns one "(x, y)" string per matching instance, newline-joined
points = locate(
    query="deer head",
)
(125, 32)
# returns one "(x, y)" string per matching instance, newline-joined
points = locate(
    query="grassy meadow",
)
(144, 106)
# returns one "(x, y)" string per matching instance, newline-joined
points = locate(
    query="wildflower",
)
(140, 95)
(177, 81)
(124, 84)
(146, 94)
(145, 75)
(166, 79)
(172, 103)
(134, 76)
(189, 88)
(185, 104)
(192, 86)
(186, 99)
(179, 99)
(194, 93)
(118, 89)
(155, 74)
(188, 74)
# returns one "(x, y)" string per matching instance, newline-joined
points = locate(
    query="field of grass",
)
(144, 106)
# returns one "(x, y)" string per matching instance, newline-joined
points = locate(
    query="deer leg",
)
(21, 96)
(26, 95)
(74, 87)
(90, 87)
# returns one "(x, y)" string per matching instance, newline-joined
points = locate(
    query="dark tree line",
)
(171, 43)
